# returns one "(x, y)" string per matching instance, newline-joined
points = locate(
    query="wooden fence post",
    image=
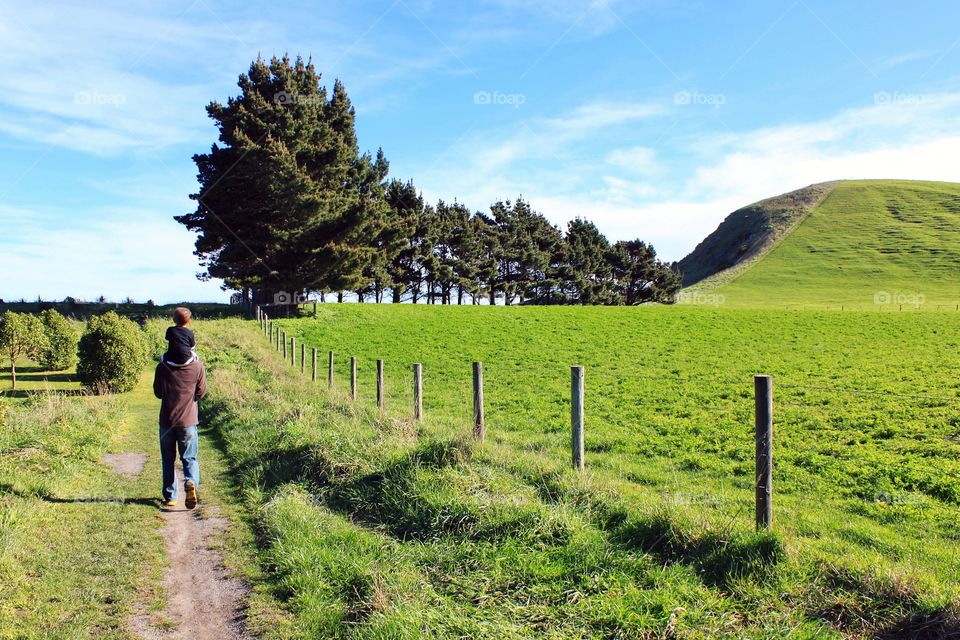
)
(330, 372)
(576, 415)
(380, 385)
(417, 392)
(293, 352)
(353, 378)
(763, 396)
(479, 426)
(284, 345)
(278, 338)
(303, 357)
(313, 368)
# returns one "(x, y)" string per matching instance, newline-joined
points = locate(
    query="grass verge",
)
(371, 526)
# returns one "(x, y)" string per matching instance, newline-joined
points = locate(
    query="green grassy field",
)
(411, 531)
(78, 544)
(33, 379)
(871, 244)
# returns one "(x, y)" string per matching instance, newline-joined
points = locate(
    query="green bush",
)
(113, 353)
(61, 348)
(154, 331)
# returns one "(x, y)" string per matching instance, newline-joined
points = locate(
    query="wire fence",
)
(624, 405)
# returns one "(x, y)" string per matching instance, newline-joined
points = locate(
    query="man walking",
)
(179, 386)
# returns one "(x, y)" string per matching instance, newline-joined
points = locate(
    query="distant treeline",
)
(77, 309)
(288, 204)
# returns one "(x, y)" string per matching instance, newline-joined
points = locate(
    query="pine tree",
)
(587, 271)
(404, 212)
(487, 259)
(467, 247)
(638, 275)
(286, 202)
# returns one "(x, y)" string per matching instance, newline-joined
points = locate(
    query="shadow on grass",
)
(876, 607)
(147, 502)
(939, 625)
(46, 497)
(409, 499)
(719, 559)
(48, 377)
(26, 393)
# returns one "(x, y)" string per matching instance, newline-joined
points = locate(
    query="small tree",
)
(61, 348)
(21, 335)
(113, 353)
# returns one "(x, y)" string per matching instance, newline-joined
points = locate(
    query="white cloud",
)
(637, 160)
(601, 115)
(910, 56)
(633, 190)
(116, 253)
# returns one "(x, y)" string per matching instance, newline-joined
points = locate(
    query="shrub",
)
(113, 353)
(61, 348)
(153, 332)
(21, 335)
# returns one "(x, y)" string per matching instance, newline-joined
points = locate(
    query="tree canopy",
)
(21, 336)
(287, 203)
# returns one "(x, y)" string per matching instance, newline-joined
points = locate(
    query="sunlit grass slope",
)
(405, 530)
(874, 244)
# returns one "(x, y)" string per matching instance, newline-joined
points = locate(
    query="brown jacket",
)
(179, 388)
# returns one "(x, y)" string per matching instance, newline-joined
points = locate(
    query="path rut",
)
(203, 601)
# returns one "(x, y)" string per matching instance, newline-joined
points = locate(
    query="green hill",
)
(866, 244)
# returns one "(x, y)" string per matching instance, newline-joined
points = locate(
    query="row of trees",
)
(288, 203)
(445, 253)
(110, 355)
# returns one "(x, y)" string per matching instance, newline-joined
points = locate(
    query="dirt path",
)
(126, 464)
(200, 599)
(203, 601)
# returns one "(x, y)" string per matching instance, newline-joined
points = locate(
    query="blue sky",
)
(654, 118)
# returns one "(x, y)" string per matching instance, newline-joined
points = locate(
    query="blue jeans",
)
(184, 440)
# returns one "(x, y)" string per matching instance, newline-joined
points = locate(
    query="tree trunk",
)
(340, 296)
(13, 374)
(396, 296)
(493, 296)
